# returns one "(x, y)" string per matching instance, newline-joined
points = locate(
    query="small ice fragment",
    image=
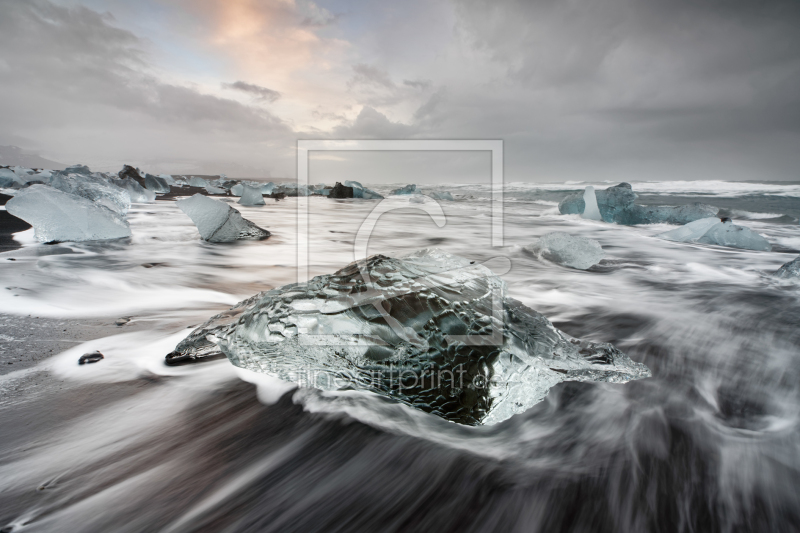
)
(137, 193)
(442, 195)
(58, 216)
(728, 234)
(568, 250)
(251, 196)
(215, 190)
(217, 221)
(790, 269)
(590, 211)
(156, 184)
(237, 189)
(194, 181)
(408, 189)
(712, 231)
(78, 169)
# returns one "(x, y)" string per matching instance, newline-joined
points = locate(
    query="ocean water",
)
(710, 443)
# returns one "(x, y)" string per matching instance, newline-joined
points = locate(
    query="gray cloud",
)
(72, 70)
(259, 92)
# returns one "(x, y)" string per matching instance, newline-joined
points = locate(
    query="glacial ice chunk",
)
(251, 196)
(94, 188)
(790, 269)
(728, 234)
(432, 330)
(215, 190)
(77, 169)
(408, 189)
(194, 181)
(59, 216)
(590, 211)
(713, 231)
(617, 204)
(217, 221)
(568, 250)
(156, 184)
(267, 189)
(441, 195)
(9, 178)
(237, 189)
(136, 192)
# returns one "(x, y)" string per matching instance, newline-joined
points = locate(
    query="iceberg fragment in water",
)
(790, 269)
(721, 233)
(59, 216)
(568, 250)
(441, 195)
(251, 196)
(432, 330)
(156, 184)
(94, 188)
(217, 221)
(136, 192)
(408, 189)
(616, 204)
(590, 211)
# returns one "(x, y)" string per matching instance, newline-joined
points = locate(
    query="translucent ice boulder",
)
(136, 192)
(590, 211)
(251, 196)
(8, 178)
(156, 184)
(790, 269)
(408, 189)
(567, 250)
(92, 187)
(267, 188)
(217, 221)
(442, 195)
(721, 233)
(432, 330)
(59, 216)
(237, 189)
(194, 181)
(616, 204)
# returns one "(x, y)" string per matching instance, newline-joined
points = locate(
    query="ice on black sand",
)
(567, 250)
(251, 196)
(432, 330)
(59, 216)
(218, 222)
(722, 233)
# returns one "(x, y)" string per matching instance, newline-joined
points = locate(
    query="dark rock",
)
(276, 195)
(341, 191)
(4, 198)
(89, 358)
(132, 173)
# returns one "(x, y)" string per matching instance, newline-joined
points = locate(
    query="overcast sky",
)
(578, 90)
